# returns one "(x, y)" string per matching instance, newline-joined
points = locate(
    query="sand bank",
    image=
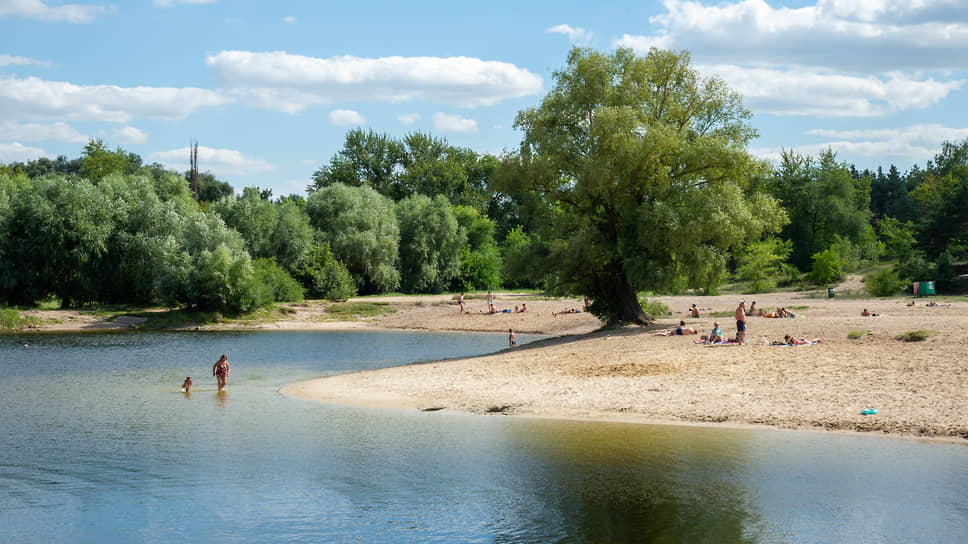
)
(627, 374)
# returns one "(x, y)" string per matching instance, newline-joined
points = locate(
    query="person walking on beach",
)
(512, 340)
(490, 302)
(221, 371)
(741, 322)
(460, 303)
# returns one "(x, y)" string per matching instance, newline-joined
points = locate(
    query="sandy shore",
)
(628, 374)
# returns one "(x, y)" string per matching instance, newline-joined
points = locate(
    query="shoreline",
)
(628, 375)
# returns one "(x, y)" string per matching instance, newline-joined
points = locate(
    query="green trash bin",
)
(830, 292)
(925, 288)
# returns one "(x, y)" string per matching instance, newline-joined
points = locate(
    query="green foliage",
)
(824, 201)
(884, 283)
(855, 335)
(275, 284)
(898, 237)
(480, 258)
(362, 228)
(761, 262)
(98, 161)
(345, 311)
(430, 239)
(642, 164)
(523, 255)
(827, 267)
(12, 319)
(654, 307)
(271, 230)
(916, 336)
(324, 276)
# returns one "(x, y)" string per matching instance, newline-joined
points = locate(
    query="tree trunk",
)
(626, 301)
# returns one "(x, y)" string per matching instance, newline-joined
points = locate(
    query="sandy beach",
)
(920, 389)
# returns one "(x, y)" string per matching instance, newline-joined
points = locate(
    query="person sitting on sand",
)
(752, 310)
(714, 337)
(517, 310)
(681, 330)
(694, 311)
(793, 341)
(524, 307)
(187, 385)
(865, 313)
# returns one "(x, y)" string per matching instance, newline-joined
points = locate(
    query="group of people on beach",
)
(220, 370)
(491, 309)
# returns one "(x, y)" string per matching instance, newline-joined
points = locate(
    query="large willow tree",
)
(643, 164)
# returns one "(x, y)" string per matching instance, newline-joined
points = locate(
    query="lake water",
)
(97, 444)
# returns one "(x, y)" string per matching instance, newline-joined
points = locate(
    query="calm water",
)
(98, 445)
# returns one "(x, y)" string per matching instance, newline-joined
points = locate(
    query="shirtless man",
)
(460, 302)
(741, 322)
(512, 339)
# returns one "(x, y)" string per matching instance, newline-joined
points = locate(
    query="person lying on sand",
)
(681, 330)
(793, 341)
(865, 313)
(567, 311)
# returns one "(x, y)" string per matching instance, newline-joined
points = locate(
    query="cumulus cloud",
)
(221, 162)
(34, 98)
(408, 118)
(454, 123)
(814, 92)
(39, 10)
(576, 35)
(10, 60)
(346, 118)
(870, 36)
(291, 83)
(913, 144)
(37, 132)
(129, 135)
(17, 152)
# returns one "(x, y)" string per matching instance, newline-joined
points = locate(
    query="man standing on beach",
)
(460, 302)
(512, 340)
(741, 322)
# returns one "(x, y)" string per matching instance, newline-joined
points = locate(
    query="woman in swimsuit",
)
(221, 371)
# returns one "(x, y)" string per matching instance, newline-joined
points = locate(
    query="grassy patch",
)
(729, 313)
(798, 307)
(916, 336)
(177, 318)
(854, 335)
(347, 311)
(12, 319)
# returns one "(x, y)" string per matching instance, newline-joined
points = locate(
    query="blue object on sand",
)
(869, 411)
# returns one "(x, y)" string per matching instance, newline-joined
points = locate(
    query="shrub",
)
(854, 335)
(827, 266)
(653, 307)
(884, 283)
(916, 336)
(277, 285)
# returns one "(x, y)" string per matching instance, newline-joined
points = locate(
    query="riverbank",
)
(628, 374)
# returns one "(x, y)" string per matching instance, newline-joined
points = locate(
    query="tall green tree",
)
(99, 161)
(430, 240)
(367, 159)
(824, 201)
(361, 226)
(645, 164)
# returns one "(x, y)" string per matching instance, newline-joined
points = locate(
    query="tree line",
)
(632, 175)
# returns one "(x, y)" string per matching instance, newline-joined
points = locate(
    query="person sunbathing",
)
(794, 341)
(681, 330)
(865, 313)
(566, 311)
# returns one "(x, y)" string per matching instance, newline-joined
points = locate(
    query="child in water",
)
(187, 385)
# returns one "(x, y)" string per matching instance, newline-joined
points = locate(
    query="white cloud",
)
(576, 35)
(454, 123)
(290, 20)
(865, 36)
(346, 118)
(15, 151)
(67, 13)
(408, 118)
(34, 98)
(9, 60)
(170, 3)
(129, 135)
(309, 162)
(221, 162)
(913, 144)
(291, 83)
(813, 92)
(36, 132)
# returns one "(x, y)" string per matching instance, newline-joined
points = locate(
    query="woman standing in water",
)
(221, 371)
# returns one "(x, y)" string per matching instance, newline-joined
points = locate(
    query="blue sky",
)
(269, 89)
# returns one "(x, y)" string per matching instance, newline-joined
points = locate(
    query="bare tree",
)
(193, 173)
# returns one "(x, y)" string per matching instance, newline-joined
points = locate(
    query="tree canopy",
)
(645, 165)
